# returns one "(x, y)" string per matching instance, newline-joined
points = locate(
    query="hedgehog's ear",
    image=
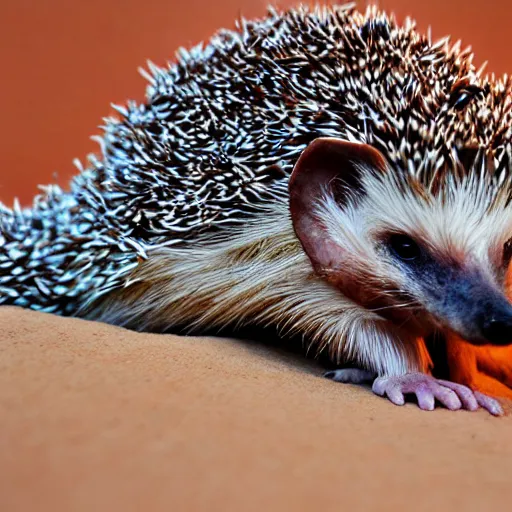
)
(327, 166)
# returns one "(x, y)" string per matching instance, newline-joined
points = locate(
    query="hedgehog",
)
(332, 174)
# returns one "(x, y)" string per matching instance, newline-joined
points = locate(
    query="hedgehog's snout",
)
(496, 325)
(478, 311)
(457, 296)
(498, 330)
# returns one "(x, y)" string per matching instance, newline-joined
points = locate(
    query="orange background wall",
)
(64, 61)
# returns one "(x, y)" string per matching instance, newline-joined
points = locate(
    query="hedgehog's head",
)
(424, 258)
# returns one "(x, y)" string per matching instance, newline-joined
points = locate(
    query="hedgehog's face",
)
(422, 261)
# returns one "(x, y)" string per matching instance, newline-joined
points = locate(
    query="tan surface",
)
(96, 418)
(100, 418)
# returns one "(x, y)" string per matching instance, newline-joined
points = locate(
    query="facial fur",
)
(457, 280)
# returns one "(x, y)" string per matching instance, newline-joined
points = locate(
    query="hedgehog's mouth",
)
(473, 309)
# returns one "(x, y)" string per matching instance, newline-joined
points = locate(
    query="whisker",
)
(396, 306)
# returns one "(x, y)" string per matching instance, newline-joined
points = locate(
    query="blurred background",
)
(63, 63)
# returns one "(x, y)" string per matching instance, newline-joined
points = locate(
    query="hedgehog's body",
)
(185, 221)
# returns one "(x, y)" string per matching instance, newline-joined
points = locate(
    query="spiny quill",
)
(185, 219)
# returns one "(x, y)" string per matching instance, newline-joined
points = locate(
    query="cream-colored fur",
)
(258, 275)
(466, 224)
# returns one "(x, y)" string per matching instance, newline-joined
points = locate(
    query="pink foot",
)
(428, 389)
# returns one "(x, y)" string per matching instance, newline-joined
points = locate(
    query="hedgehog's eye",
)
(404, 247)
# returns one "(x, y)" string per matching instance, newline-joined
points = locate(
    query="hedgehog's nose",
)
(497, 329)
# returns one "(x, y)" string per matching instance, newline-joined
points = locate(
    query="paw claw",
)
(488, 403)
(464, 395)
(426, 399)
(396, 396)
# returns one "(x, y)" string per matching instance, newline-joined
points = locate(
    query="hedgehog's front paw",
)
(428, 389)
(351, 375)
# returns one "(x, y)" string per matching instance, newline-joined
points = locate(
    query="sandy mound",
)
(100, 418)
